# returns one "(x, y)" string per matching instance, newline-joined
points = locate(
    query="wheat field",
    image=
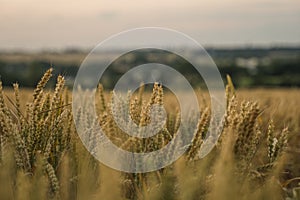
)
(42, 157)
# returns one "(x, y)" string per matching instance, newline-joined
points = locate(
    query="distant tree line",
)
(247, 67)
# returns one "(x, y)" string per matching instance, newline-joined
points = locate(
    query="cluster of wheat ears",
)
(42, 157)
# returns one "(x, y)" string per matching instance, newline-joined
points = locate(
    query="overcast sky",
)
(36, 24)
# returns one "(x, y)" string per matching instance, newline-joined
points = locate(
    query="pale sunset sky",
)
(57, 24)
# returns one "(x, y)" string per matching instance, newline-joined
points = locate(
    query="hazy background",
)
(257, 42)
(56, 24)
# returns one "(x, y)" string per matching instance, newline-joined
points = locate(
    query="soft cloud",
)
(57, 24)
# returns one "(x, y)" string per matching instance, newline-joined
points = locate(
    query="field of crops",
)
(42, 157)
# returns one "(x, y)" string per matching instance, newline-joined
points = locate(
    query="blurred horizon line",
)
(82, 49)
